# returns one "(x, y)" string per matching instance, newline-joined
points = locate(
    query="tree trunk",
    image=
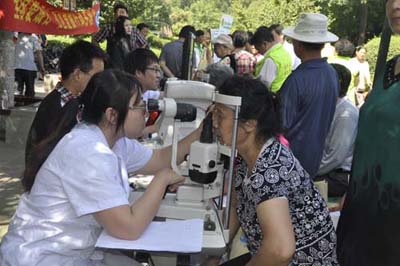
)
(7, 54)
(363, 22)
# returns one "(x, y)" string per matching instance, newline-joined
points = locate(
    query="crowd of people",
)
(298, 124)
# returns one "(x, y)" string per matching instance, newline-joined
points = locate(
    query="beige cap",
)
(223, 39)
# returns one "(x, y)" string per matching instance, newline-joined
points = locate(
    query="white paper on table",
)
(181, 236)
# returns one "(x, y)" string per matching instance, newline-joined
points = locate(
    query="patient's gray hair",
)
(219, 73)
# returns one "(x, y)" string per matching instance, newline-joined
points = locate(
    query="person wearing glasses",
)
(82, 187)
(144, 65)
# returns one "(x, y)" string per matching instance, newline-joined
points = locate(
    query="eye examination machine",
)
(208, 168)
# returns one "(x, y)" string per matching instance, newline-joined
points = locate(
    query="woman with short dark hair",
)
(281, 212)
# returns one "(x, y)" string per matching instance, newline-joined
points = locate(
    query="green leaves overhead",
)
(344, 15)
(252, 14)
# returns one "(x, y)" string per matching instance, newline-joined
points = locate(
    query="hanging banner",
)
(37, 16)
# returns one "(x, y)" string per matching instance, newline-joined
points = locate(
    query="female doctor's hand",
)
(173, 180)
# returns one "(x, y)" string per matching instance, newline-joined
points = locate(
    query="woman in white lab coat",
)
(77, 184)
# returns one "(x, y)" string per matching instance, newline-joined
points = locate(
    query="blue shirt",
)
(171, 54)
(308, 104)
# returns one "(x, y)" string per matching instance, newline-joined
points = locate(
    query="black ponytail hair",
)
(119, 27)
(110, 88)
(40, 151)
(258, 103)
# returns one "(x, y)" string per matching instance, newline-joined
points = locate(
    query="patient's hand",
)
(173, 179)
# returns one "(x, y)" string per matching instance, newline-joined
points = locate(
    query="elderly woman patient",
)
(283, 216)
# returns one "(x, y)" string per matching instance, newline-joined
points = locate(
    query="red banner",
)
(37, 16)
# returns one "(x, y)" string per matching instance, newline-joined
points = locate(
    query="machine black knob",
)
(152, 105)
(211, 164)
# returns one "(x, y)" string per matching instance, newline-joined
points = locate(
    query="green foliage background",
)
(372, 50)
(248, 14)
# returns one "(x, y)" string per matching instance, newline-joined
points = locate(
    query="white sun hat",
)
(223, 39)
(311, 28)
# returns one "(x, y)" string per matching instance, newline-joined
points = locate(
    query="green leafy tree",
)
(179, 18)
(249, 15)
(154, 12)
(346, 21)
(205, 14)
(345, 16)
(372, 47)
(202, 14)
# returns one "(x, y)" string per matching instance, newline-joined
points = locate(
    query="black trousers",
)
(25, 78)
(338, 181)
(239, 261)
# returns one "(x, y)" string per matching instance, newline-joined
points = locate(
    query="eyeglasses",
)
(155, 69)
(139, 107)
(142, 107)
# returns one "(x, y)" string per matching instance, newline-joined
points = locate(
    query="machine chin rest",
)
(202, 178)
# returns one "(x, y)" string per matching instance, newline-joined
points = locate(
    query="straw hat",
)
(311, 28)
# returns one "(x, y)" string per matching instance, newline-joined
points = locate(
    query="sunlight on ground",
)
(10, 190)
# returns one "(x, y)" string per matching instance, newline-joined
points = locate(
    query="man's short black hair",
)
(250, 35)
(312, 46)
(186, 30)
(199, 33)
(262, 34)
(277, 28)
(80, 55)
(240, 38)
(344, 76)
(142, 25)
(139, 60)
(120, 6)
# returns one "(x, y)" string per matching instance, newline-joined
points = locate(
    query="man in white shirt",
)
(339, 143)
(27, 45)
(144, 65)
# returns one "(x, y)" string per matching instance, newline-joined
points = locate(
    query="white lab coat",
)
(53, 224)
